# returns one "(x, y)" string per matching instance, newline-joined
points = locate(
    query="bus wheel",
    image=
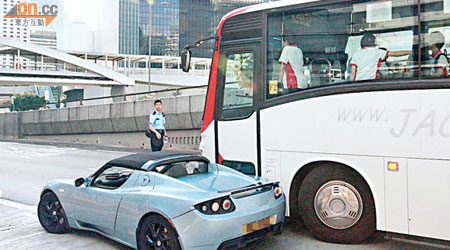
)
(336, 205)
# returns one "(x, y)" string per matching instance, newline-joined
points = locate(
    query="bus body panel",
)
(434, 124)
(207, 143)
(368, 123)
(396, 195)
(292, 162)
(242, 145)
(429, 198)
(383, 127)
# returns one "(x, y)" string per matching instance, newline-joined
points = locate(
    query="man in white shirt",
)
(365, 63)
(291, 67)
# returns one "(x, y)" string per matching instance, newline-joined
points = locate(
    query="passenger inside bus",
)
(438, 59)
(330, 40)
(291, 66)
(365, 63)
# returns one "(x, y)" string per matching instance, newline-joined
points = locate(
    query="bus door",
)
(236, 116)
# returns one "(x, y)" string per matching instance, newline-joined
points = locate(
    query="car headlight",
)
(221, 205)
(277, 191)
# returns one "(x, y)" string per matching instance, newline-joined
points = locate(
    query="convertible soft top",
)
(136, 161)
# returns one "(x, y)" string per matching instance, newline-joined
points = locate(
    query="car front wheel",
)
(336, 204)
(51, 214)
(157, 234)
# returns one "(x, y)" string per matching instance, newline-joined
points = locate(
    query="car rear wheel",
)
(157, 234)
(336, 204)
(51, 214)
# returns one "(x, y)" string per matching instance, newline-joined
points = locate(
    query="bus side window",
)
(436, 39)
(238, 85)
(381, 44)
(325, 44)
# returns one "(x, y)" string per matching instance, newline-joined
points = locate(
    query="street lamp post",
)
(150, 3)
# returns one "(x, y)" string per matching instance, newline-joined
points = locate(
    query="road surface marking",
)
(31, 151)
(18, 205)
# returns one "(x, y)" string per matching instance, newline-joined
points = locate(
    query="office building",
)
(175, 23)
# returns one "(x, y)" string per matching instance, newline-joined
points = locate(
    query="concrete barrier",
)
(197, 104)
(29, 123)
(123, 118)
(60, 121)
(142, 110)
(183, 118)
(79, 120)
(44, 126)
(11, 125)
(2, 125)
(117, 124)
(100, 118)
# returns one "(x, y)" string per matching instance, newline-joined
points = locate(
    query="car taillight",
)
(278, 191)
(217, 206)
(226, 204)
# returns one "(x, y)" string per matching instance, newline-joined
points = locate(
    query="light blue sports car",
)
(165, 200)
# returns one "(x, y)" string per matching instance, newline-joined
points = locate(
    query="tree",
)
(27, 101)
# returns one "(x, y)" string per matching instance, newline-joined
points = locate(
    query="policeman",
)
(156, 124)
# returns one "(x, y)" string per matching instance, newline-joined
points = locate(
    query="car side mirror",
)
(185, 60)
(79, 182)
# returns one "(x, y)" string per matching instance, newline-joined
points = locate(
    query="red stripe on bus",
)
(211, 98)
(220, 159)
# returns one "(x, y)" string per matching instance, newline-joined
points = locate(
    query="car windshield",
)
(184, 168)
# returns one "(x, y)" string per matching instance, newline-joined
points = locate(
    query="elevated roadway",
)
(30, 64)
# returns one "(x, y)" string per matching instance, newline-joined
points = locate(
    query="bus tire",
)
(336, 205)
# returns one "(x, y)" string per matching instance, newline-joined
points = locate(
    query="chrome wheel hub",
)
(338, 205)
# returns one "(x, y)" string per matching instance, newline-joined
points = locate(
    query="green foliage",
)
(241, 66)
(27, 101)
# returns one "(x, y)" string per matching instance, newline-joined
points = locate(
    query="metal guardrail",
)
(124, 96)
(39, 66)
(65, 67)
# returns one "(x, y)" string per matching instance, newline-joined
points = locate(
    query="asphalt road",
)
(25, 168)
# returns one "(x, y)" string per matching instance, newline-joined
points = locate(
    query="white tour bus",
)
(356, 128)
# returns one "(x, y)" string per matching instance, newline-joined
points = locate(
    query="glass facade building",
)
(199, 19)
(128, 26)
(175, 23)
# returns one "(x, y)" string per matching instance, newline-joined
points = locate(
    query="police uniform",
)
(158, 120)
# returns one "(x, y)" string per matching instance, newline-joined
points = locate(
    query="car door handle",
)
(145, 180)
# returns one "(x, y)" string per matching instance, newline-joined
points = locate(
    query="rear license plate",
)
(259, 224)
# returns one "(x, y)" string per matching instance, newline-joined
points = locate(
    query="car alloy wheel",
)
(157, 234)
(51, 214)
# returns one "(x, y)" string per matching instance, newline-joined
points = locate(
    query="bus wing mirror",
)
(185, 60)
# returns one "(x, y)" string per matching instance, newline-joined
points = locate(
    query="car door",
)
(101, 198)
(236, 114)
